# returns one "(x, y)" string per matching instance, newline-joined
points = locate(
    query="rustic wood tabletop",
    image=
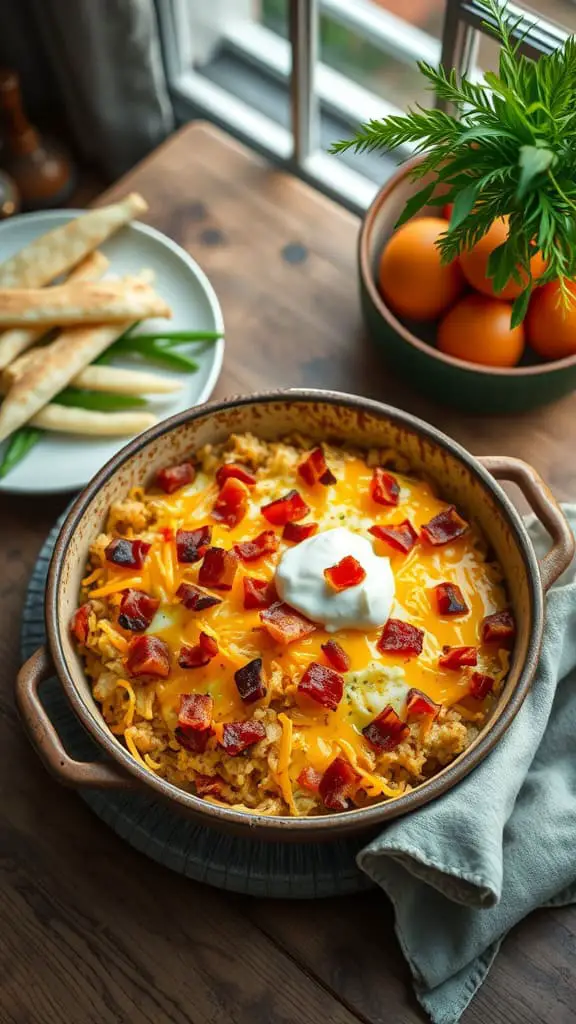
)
(91, 931)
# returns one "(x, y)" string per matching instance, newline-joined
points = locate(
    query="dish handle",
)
(45, 739)
(544, 506)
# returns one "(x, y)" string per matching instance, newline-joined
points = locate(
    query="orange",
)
(478, 329)
(474, 263)
(411, 277)
(551, 329)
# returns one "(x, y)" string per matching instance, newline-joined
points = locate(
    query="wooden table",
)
(90, 931)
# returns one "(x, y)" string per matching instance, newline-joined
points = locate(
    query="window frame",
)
(314, 86)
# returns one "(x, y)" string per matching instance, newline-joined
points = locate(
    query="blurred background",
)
(109, 80)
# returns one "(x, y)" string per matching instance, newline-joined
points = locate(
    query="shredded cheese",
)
(129, 739)
(123, 684)
(373, 785)
(117, 641)
(92, 577)
(159, 565)
(284, 754)
(168, 567)
(116, 585)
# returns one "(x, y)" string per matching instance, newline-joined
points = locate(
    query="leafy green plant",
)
(511, 150)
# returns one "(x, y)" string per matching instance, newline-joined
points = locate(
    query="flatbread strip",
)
(12, 343)
(81, 303)
(59, 250)
(114, 379)
(69, 420)
(53, 368)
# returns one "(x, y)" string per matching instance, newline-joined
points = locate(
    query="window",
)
(290, 76)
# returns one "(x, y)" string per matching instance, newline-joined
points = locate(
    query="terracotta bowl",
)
(409, 347)
(461, 478)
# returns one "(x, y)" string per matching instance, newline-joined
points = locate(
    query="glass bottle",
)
(42, 170)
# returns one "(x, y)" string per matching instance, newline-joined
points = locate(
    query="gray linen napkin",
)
(464, 870)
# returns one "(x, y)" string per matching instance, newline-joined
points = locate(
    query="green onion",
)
(177, 336)
(161, 352)
(82, 398)
(109, 352)
(201, 346)
(158, 350)
(157, 345)
(20, 443)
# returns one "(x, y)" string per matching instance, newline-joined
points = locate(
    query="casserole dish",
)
(459, 477)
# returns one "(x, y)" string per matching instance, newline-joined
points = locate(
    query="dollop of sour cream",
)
(300, 582)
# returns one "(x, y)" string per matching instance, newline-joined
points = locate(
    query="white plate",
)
(61, 462)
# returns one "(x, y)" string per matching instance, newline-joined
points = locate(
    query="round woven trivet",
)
(297, 871)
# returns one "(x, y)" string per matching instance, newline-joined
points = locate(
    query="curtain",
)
(105, 68)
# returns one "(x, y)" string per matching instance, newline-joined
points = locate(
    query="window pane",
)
(381, 53)
(273, 14)
(563, 12)
(226, 43)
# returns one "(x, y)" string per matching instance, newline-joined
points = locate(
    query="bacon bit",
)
(480, 685)
(458, 657)
(191, 545)
(327, 478)
(231, 470)
(218, 569)
(208, 785)
(137, 609)
(450, 600)
(345, 574)
(400, 637)
(418, 704)
(129, 554)
(296, 532)
(171, 478)
(384, 488)
(336, 655)
(238, 736)
(314, 469)
(386, 731)
(193, 740)
(338, 784)
(195, 599)
(287, 509)
(400, 536)
(258, 593)
(445, 527)
(498, 627)
(231, 504)
(310, 779)
(200, 654)
(323, 685)
(167, 533)
(284, 624)
(250, 681)
(195, 711)
(264, 544)
(148, 656)
(79, 623)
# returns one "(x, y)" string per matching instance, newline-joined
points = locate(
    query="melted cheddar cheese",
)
(310, 736)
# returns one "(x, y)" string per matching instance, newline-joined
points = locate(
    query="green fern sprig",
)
(509, 149)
